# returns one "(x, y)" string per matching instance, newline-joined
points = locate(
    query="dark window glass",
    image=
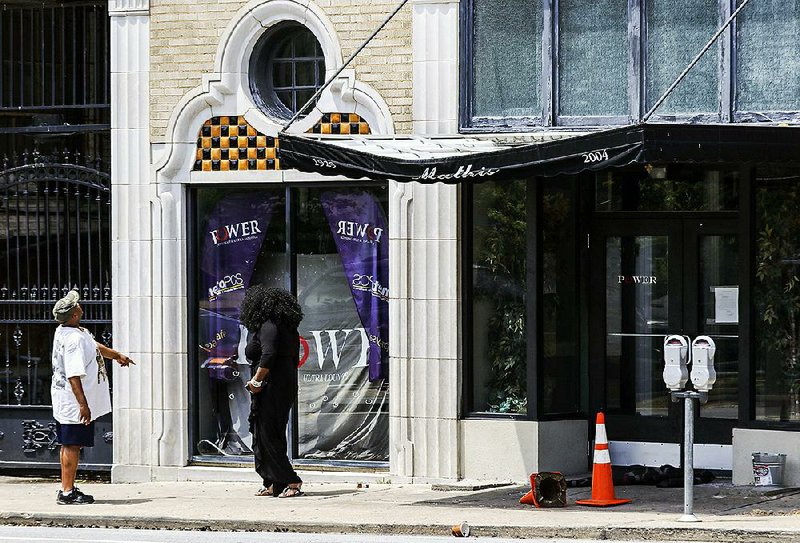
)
(507, 58)
(560, 391)
(241, 240)
(637, 315)
(305, 74)
(719, 282)
(498, 285)
(593, 57)
(667, 188)
(676, 31)
(286, 68)
(767, 60)
(342, 415)
(776, 295)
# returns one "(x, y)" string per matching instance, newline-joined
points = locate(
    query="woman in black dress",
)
(271, 316)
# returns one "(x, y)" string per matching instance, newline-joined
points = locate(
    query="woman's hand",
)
(254, 389)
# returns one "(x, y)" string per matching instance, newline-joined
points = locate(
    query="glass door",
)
(652, 278)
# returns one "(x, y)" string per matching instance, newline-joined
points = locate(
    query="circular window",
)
(286, 69)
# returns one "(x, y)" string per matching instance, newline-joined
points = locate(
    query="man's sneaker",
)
(75, 497)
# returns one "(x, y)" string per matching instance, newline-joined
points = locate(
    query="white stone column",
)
(136, 426)
(425, 316)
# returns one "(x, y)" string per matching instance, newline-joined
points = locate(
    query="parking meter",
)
(703, 374)
(676, 352)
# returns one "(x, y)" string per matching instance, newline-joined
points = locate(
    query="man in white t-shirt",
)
(79, 391)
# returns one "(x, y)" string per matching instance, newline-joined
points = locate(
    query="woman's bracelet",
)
(254, 383)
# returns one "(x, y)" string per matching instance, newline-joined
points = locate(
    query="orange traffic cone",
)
(602, 485)
(527, 499)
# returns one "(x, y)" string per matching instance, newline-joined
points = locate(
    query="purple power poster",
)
(358, 225)
(232, 237)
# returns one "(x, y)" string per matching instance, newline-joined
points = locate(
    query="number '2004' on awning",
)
(454, 159)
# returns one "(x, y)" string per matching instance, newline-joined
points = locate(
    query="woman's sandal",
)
(291, 492)
(264, 491)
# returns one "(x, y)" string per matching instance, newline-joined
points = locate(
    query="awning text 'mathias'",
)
(456, 159)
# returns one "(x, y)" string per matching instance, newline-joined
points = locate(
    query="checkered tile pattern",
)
(230, 143)
(341, 123)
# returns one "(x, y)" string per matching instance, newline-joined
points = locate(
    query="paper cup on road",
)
(460, 530)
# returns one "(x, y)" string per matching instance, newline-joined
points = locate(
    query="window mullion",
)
(727, 64)
(636, 38)
(549, 62)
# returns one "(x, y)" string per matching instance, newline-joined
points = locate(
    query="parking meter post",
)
(688, 460)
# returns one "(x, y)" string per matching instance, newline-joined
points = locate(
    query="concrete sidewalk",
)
(727, 513)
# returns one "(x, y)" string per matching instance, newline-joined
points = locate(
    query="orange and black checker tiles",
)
(340, 123)
(229, 143)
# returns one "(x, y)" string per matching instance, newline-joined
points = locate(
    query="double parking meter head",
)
(676, 356)
(703, 374)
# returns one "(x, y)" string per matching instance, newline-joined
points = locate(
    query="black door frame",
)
(684, 230)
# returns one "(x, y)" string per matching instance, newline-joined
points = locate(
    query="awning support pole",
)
(695, 61)
(340, 70)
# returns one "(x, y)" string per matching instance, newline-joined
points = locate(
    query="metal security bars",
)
(54, 235)
(54, 55)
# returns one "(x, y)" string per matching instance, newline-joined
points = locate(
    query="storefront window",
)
(499, 248)
(560, 391)
(507, 63)
(776, 295)
(676, 30)
(342, 285)
(592, 57)
(767, 74)
(667, 188)
(340, 252)
(241, 238)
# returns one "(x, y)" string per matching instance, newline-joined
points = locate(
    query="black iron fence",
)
(54, 55)
(54, 235)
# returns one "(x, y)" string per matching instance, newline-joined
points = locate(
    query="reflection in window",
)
(560, 392)
(342, 412)
(676, 31)
(719, 272)
(341, 257)
(498, 283)
(240, 235)
(507, 58)
(593, 57)
(776, 295)
(767, 75)
(637, 315)
(667, 188)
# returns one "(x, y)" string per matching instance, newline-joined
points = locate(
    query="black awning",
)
(455, 159)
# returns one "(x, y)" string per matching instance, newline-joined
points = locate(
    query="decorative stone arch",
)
(226, 91)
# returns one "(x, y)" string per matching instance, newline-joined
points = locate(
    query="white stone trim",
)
(226, 91)
(128, 7)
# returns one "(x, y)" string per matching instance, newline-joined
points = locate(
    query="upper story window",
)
(583, 63)
(286, 69)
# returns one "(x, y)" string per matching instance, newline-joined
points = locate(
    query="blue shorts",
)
(75, 434)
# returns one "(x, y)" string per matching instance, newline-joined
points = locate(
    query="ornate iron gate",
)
(54, 235)
(54, 207)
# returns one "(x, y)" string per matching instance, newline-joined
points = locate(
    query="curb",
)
(510, 532)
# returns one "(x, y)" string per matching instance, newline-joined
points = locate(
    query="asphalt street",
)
(13, 534)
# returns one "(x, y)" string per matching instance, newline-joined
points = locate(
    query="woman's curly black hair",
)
(263, 304)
